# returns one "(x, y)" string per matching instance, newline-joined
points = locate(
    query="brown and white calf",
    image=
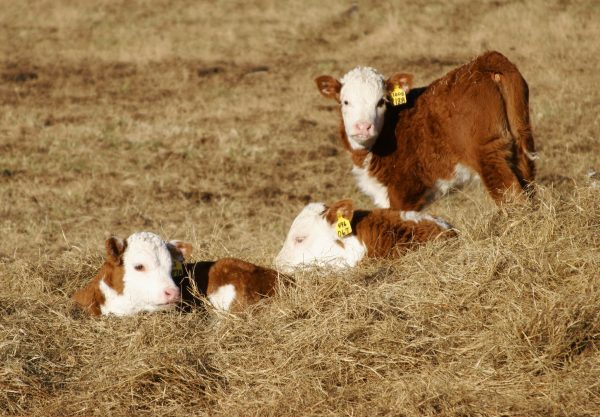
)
(313, 238)
(471, 123)
(145, 273)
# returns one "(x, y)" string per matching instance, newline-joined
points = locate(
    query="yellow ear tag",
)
(398, 96)
(342, 228)
(177, 269)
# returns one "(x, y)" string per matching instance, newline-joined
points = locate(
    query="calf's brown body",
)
(384, 232)
(251, 282)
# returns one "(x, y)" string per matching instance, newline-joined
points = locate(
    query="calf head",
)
(313, 239)
(136, 276)
(362, 94)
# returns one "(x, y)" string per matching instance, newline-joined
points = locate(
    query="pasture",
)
(201, 121)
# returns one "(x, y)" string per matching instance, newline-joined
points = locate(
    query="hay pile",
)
(201, 122)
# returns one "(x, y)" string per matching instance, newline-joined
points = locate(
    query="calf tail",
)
(515, 93)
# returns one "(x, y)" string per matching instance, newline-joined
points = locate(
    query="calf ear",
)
(344, 208)
(329, 87)
(115, 248)
(405, 81)
(180, 250)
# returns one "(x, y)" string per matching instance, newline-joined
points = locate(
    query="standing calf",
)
(313, 238)
(471, 123)
(145, 273)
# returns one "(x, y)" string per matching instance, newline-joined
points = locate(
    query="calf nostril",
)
(363, 126)
(172, 293)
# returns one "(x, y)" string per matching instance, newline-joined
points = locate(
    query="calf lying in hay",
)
(145, 273)
(340, 236)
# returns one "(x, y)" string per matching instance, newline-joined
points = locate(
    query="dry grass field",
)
(200, 120)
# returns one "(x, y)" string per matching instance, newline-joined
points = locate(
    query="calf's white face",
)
(141, 278)
(362, 98)
(312, 240)
(362, 94)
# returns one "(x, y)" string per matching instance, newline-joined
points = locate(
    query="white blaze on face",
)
(362, 98)
(147, 281)
(312, 240)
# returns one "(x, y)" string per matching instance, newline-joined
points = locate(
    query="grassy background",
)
(201, 121)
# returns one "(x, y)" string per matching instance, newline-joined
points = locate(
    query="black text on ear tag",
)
(398, 96)
(342, 228)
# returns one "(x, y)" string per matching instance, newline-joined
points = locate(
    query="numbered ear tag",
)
(398, 96)
(342, 227)
(177, 269)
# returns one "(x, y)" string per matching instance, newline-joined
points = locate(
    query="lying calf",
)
(338, 236)
(145, 273)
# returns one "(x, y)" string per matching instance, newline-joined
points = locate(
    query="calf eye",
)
(299, 239)
(381, 103)
(139, 267)
(345, 102)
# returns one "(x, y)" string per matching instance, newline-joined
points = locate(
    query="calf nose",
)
(172, 294)
(363, 127)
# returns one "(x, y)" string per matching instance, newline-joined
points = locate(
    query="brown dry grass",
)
(200, 121)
